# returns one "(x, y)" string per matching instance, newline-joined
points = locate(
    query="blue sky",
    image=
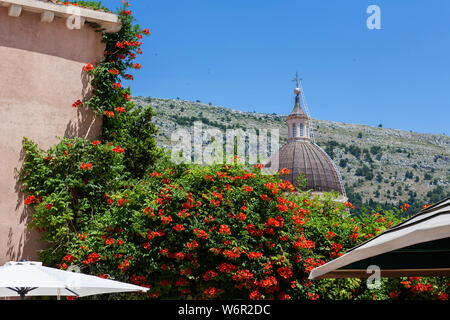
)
(242, 54)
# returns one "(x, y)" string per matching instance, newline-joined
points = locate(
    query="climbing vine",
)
(123, 123)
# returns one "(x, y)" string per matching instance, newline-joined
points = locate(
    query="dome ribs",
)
(309, 159)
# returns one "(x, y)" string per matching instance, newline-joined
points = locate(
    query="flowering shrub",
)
(198, 232)
(69, 179)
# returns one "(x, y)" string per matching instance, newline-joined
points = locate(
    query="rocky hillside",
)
(379, 166)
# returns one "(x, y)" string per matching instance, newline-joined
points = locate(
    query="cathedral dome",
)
(304, 157)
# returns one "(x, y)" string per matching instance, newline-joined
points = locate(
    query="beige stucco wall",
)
(40, 77)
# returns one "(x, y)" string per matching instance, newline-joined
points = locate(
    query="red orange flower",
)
(349, 205)
(285, 272)
(124, 265)
(86, 166)
(192, 245)
(166, 220)
(255, 295)
(92, 258)
(284, 296)
(224, 229)
(405, 207)
(88, 67)
(178, 227)
(120, 109)
(182, 282)
(210, 275)
(354, 236)
(109, 114)
(330, 235)
(303, 243)
(68, 258)
(77, 104)
(226, 267)
(29, 200)
(313, 296)
(201, 234)
(118, 150)
(255, 255)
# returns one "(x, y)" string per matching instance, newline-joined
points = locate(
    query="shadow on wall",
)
(87, 125)
(12, 253)
(26, 246)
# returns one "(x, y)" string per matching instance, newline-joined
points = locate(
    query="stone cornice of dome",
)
(48, 11)
(297, 116)
(300, 139)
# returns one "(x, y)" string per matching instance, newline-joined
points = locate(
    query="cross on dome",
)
(297, 80)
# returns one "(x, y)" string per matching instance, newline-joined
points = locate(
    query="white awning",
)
(428, 225)
(28, 278)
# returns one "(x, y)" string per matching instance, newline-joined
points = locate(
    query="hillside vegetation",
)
(379, 166)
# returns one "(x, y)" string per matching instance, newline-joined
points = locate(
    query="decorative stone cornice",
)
(75, 15)
(301, 139)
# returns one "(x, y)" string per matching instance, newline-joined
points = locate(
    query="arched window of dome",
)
(294, 130)
(301, 129)
(307, 131)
